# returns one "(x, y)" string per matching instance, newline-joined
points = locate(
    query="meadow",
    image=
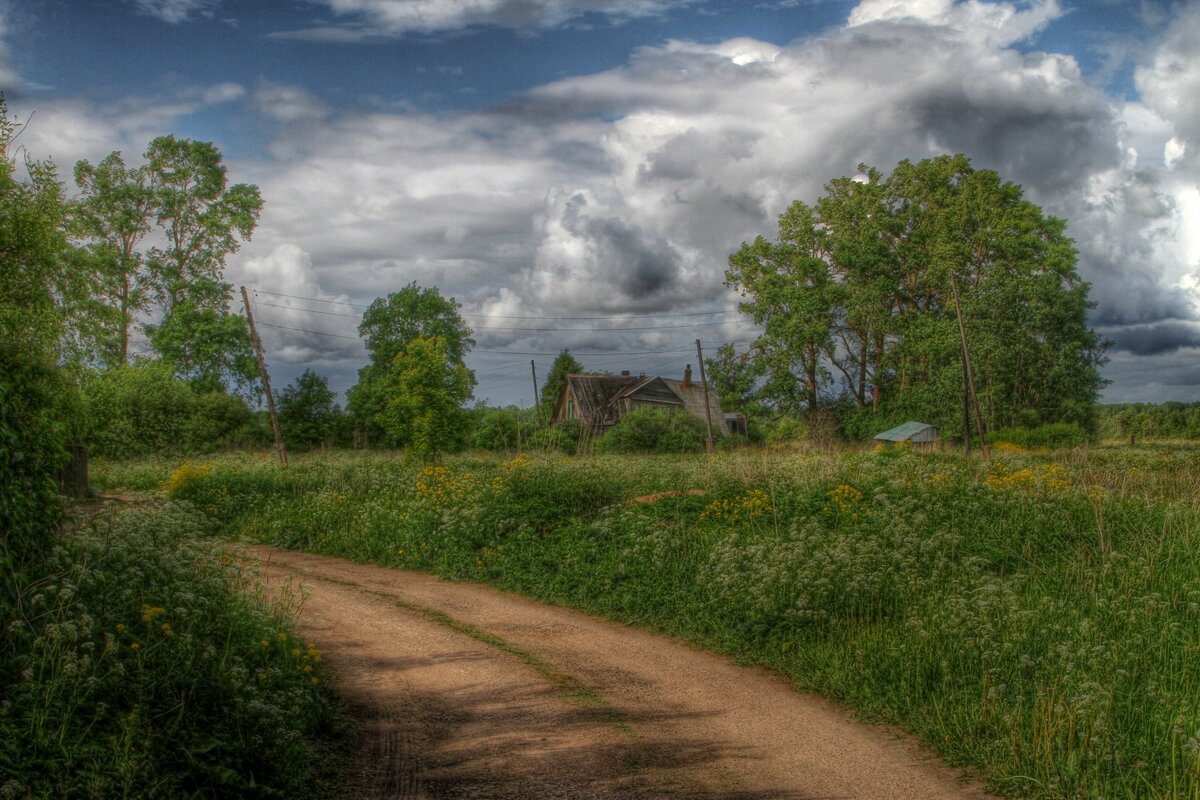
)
(1036, 618)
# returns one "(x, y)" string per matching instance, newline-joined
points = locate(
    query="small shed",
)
(915, 432)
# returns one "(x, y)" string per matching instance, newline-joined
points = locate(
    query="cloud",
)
(367, 18)
(67, 130)
(624, 191)
(175, 12)
(288, 104)
(1169, 84)
(10, 81)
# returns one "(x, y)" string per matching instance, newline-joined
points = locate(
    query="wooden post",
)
(709, 446)
(266, 379)
(966, 398)
(536, 402)
(962, 332)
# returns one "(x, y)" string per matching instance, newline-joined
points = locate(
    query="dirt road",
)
(467, 692)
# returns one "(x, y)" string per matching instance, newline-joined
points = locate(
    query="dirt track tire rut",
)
(462, 691)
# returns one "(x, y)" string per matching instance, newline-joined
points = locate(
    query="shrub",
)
(147, 666)
(1055, 435)
(143, 409)
(563, 437)
(650, 430)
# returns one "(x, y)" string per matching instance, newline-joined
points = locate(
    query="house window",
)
(570, 409)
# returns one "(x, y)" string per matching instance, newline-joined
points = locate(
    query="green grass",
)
(1037, 619)
(146, 661)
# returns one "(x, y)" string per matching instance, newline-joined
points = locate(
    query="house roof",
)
(595, 392)
(693, 401)
(903, 432)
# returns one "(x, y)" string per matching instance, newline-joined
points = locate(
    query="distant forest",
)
(1134, 421)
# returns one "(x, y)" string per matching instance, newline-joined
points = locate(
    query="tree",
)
(307, 411)
(207, 346)
(32, 391)
(790, 291)
(556, 380)
(426, 392)
(114, 213)
(201, 218)
(870, 284)
(735, 379)
(389, 326)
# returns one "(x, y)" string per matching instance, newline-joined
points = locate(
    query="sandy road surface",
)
(466, 692)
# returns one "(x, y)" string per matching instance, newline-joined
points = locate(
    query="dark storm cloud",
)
(1167, 336)
(640, 266)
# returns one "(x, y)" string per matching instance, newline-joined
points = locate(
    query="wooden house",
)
(600, 401)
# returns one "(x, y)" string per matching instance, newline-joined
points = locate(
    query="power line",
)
(617, 317)
(315, 333)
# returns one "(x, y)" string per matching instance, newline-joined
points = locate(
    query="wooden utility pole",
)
(536, 402)
(266, 379)
(966, 352)
(966, 398)
(709, 446)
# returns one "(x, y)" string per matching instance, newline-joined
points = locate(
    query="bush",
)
(563, 437)
(31, 451)
(649, 430)
(1055, 435)
(142, 409)
(146, 666)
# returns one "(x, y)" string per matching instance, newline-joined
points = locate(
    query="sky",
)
(577, 172)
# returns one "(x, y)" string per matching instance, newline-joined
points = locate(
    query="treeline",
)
(1136, 421)
(871, 300)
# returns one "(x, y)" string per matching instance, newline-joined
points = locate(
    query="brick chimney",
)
(687, 377)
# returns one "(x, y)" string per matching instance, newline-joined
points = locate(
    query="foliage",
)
(308, 413)
(426, 392)
(206, 346)
(856, 300)
(389, 325)
(1134, 421)
(502, 429)
(734, 377)
(143, 409)
(1062, 434)
(32, 390)
(113, 214)
(562, 437)
(1034, 618)
(556, 380)
(651, 430)
(148, 665)
(202, 219)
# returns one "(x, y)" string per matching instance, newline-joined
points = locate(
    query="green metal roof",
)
(901, 433)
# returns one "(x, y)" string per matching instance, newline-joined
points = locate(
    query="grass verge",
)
(146, 662)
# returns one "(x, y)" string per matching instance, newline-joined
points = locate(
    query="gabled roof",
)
(902, 433)
(595, 392)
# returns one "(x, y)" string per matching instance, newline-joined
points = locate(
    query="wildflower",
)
(134, 645)
(166, 629)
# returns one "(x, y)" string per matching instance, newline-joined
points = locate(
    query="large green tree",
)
(862, 286)
(388, 326)
(113, 214)
(203, 220)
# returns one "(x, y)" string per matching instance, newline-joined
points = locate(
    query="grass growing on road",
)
(1037, 618)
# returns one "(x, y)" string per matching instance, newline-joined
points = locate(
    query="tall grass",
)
(1037, 618)
(148, 664)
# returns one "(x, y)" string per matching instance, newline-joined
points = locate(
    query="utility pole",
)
(962, 333)
(708, 445)
(266, 379)
(536, 402)
(966, 398)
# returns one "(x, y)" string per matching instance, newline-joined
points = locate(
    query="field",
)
(1036, 618)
